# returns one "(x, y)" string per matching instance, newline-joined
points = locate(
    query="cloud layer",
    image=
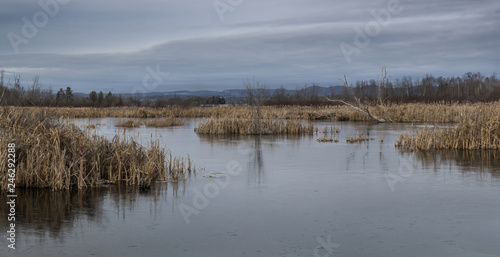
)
(115, 44)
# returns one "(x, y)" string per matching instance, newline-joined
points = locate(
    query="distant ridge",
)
(233, 93)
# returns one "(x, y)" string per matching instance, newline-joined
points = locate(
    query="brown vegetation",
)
(164, 122)
(358, 138)
(413, 112)
(157, 123)
(51, 154)
(128, 124)
(476, 130)
(239, 126)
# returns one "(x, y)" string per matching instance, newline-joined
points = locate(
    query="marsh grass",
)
(239, 126)
(57, 155)
(327, 139)
(128, 124)
(164, 122)
(477, 130)
(328, 134)
(441, 112)
(157, 123)
(358, 138)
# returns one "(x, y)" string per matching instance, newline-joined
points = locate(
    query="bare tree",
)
(257, 93)
(381, 86)
(359, 105)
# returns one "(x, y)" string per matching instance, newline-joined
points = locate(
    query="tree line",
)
(14, 94)
(471, 87)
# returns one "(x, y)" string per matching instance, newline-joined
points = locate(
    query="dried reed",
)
(128, 124)
(476, 130)
(411, 112)
(165, 122)
(53, 154)
(239, 126)
(358, 138)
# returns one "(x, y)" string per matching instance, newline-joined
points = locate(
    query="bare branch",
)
(363, 108)
(381, 86)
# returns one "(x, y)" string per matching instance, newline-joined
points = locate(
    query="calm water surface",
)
(277, 196)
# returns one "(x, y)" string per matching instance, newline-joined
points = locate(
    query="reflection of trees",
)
(469, 161)
(42, 211)
(256, 163)
(230, 140)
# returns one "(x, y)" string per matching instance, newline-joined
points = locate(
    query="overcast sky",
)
(164, 45)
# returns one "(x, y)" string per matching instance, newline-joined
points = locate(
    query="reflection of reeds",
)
(53, 214)
(475, 131)
(61, 156)
(332, 130)
(238, 126)
(468, 161)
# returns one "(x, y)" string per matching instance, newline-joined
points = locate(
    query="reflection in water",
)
(39, 211)
(469, 161)
(251, 145)
(256, 164)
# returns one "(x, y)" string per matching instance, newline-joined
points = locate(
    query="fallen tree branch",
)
(360, 107)
(365, 110)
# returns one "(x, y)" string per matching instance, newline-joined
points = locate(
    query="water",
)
(278, 196)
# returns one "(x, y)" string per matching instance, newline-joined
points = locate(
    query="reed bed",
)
(412, 112)
(53, 154)
(164, 122)
(476, 130)
(328, 139)
(238, 126)
(358, 138)
(128, 124)
(157, 123)
(332, 131)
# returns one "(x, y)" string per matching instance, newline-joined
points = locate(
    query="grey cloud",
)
(93, 45)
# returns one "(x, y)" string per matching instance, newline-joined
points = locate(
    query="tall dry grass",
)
(164, 122)
(128, 124)
(53, 154)
(411, 112)
(479, 129)
(157, 123)
(239, 126)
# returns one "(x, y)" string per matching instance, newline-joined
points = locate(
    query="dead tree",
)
(364, 108)
(381, 86)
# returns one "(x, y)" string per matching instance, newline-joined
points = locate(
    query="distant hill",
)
(234, 93)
